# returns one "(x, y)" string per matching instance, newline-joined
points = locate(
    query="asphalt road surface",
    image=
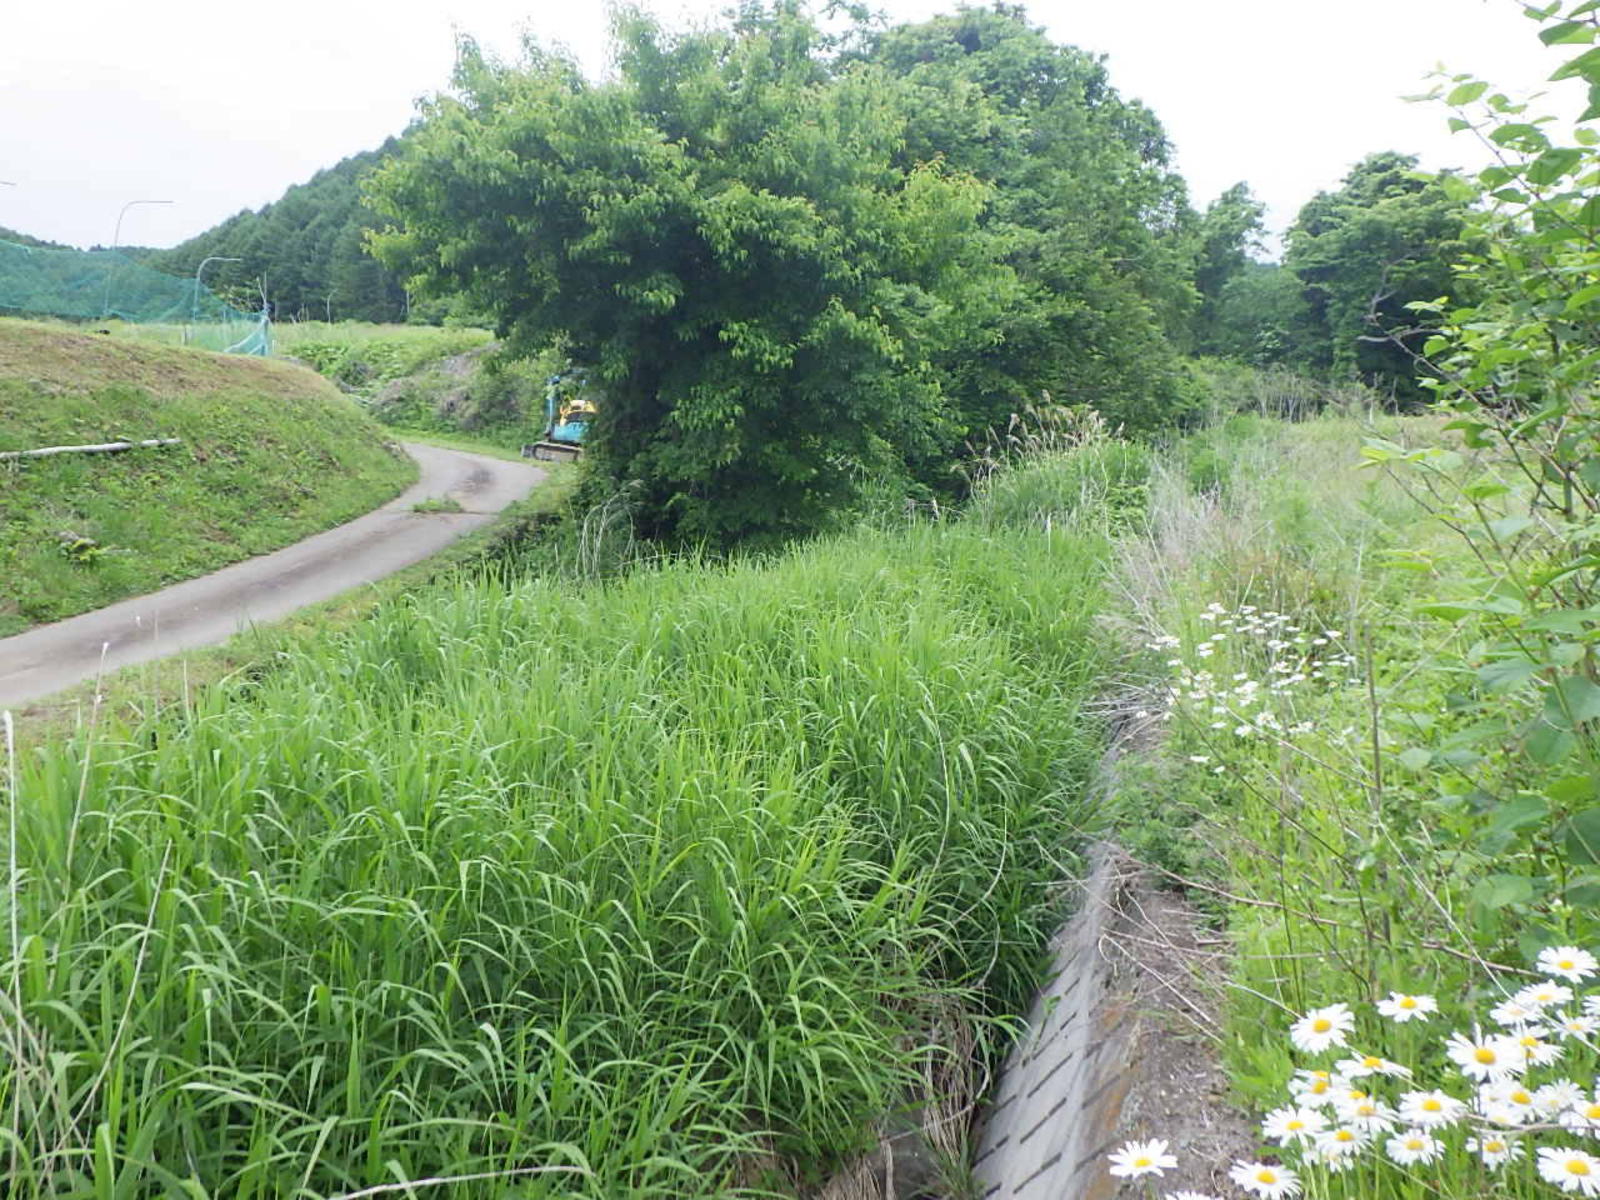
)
(211, 609)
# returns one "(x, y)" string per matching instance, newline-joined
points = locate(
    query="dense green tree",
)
(1385, 239)
(1228, 232)
(1086, 210)
(1260, 316)
(724, 235)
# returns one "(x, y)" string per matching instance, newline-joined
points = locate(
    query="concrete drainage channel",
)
(1120, 1045)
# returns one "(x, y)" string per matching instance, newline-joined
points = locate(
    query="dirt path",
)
(211, 609)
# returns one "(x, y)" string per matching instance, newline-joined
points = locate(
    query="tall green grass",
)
(666, 884)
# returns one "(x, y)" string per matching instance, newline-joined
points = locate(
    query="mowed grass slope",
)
(664, 887)
(271, 453)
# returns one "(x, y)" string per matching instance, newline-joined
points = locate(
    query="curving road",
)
(211, 609)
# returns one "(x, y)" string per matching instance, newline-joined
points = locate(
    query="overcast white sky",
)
(219, 106)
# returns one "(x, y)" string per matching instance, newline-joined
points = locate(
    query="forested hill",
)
(23, 239)
(306, 247)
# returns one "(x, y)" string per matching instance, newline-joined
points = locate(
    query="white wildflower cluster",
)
(1238, 703)
(1521, 1088)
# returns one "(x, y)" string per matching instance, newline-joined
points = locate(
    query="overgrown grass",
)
(269, 454)
(668, 884)
(1324, 785)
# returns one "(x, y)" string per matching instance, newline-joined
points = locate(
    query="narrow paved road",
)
(211, 609)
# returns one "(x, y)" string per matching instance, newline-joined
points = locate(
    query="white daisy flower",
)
(1508, 1102)
(1557, 1096)
(1363, 1065)
(1543, 995)
(1142, 1158)
(1413, 1146)
(1567, 962)
(1266, 1180)
(1584, 1116)
(1536, 1051)
(1335, 1163)
(1315, 1086)
(1403, 1006)
(1483, 1058)
(1322, 1028)
(1513, 1012)
(1293, 1124)
(1342, 1141)
(1495, 1149)
(1570, 1170)
(1431, 1110)
(1579, 1025)
(1369, 1115)
(1591, 1005)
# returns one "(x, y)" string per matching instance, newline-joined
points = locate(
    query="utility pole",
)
(116, 236)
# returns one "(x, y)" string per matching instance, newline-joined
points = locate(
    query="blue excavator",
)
(569, 408)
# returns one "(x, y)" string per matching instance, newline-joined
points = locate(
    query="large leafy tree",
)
(1386, 239)
(1087, 212)
(727, 236)
(1229, 230)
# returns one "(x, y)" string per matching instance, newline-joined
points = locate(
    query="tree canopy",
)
(1385, 239)
(802, 265)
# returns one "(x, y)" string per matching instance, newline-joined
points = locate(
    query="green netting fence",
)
(102, 286)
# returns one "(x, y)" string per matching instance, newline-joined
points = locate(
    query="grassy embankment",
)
(664, 886)
(270, 454)
(1345, 782)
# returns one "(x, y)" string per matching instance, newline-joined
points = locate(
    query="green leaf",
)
(1466, 93)
(1497, 891)
(1575, 699)
(1507, 674)
(1547, 745)
(1581, 835)
(1586, 64)
(1568, 33)
(1417, 758)
(1509, 818)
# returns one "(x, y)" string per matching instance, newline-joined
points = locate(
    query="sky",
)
(216, 107)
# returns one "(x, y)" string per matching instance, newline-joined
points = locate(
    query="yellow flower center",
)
(1344, 1135)
(1494, 1147)
(1566, 964)
(1142, 1161)
(1414, 1144)
(1577, 1166)
(1294, 1124)
(1266, 1175)
(1319, 1087)
(1371, 1063)
(1530, 1040)
(1432, 1105)
(1483, 1054)
(1408, 1001)
(1592, 1112)
(1321, 1025)
(1521, 1098)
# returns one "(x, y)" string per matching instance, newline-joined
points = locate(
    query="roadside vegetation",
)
(668, 885)
(269, 455)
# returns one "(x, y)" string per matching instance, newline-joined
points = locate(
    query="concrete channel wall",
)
(1058, 1107)
(1121, 1044)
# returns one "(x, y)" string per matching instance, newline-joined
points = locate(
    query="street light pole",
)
(194, 311)
(116, 236)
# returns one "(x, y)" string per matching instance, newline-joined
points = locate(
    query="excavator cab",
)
(569, 408)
